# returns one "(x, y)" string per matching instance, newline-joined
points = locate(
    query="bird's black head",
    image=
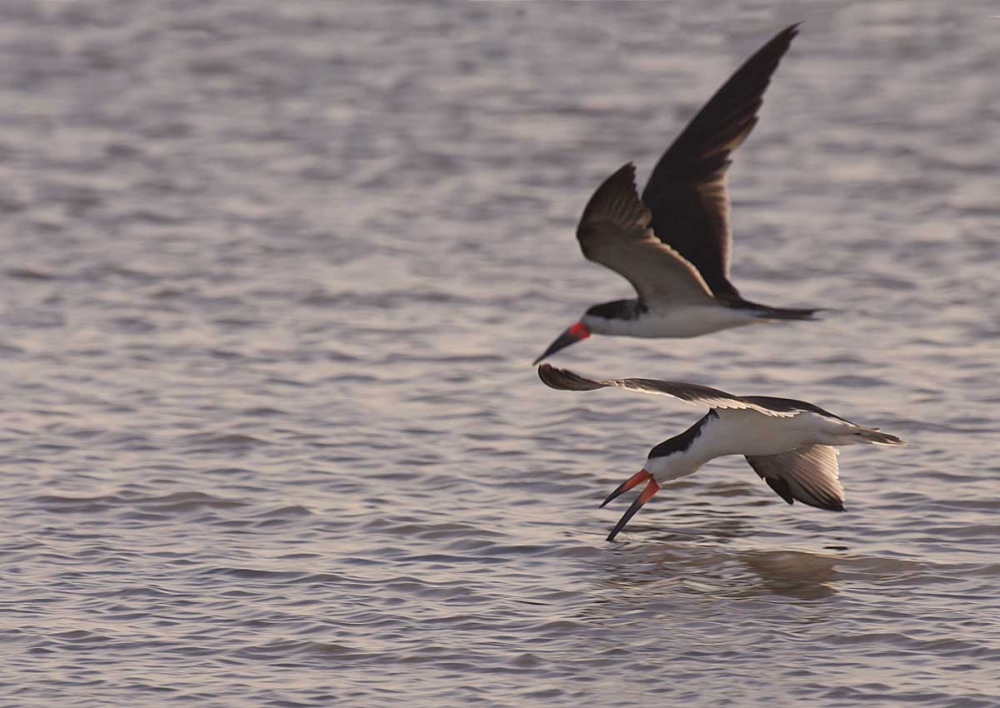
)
(617, 310)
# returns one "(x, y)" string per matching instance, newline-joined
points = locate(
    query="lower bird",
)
(789, 443)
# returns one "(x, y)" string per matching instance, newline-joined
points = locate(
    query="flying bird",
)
(674, 244)
(789, 443)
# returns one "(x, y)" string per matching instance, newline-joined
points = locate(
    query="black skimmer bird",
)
(674, 245)
(788, 443)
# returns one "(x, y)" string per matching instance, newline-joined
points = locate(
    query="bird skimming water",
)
(674, 245)
(789, 443)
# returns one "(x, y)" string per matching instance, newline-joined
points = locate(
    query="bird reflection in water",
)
(797, 574)
(702, 560)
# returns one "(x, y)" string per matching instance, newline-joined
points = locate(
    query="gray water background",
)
(272, 276)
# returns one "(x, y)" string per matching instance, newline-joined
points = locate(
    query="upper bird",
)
(788, 443)
(674, 244)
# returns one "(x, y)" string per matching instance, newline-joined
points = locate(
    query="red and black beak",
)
(638, 478)
(574, 334)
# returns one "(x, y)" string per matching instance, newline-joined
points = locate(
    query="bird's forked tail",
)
(787, 313)
(766, 312)
(877, 437)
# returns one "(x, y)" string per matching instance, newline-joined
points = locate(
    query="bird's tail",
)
(877, 437)
(766, 312)
(787, 313)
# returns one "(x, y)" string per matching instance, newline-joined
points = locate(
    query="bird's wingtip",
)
(791, 31)
(566, 380)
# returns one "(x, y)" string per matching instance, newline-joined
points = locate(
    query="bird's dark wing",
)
(567, 380)
(614, 231)
(687, 191)
(809, 475)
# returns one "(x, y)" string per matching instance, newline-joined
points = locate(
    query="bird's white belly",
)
(679, 322)
(747, 432)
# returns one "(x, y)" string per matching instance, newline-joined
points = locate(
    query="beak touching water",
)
(638, 478)
(574, 334)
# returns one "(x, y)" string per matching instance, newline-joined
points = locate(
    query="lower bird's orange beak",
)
(638, 478)
(574, 334)
(635, 480)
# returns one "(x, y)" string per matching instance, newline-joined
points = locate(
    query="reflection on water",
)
(661, 566)
(797, 574)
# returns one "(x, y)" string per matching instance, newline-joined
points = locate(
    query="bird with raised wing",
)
(674, 244)
(790, 444)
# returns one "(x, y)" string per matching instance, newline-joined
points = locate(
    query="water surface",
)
(272, 277)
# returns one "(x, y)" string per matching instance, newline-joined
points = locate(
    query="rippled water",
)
(272, 277)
